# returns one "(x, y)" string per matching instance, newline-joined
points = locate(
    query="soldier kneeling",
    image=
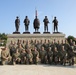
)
(16, 58)
(29, 57)
(5, 56)
(35, 56)
(23, 56)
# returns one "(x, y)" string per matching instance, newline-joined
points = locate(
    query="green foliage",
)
(70, 37)
(3, 36)
(3, 39)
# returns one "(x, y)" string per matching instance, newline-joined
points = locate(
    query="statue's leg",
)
(44, 28)
(54, 28)
(27, 28)
(16, 27)
(37, 29)
(47, 28)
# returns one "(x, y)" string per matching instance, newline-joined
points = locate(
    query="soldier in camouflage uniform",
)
(71, 55)
(23, 44)
(48, 43)
(45, 45)
(52, 46)
(16, 58)
(66, 45)
(19, 48)
(63, 56)
(74, 46)
(23, 56)
(43, 55)
(29, 57)
(13, 49)
(50, 55)
(28, 45)
(55, 56)
(35, 55)
(38, 45)
(5, 56)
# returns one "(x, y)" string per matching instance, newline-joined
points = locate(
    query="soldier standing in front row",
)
(55, 24)
(36, 24)
(46, 21)
(26, 23)
(17, 23)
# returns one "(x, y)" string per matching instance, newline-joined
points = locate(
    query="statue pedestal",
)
(16, 32)
(51, 37)
(57, 33)
(26, 32)
(46, 32)
(36, 32)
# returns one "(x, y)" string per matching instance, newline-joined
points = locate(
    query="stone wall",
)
(26, 37)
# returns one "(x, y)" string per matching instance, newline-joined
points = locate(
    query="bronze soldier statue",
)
(26, 23)
(36, 24)
(17, 23)
(46, 21)
(55, 24)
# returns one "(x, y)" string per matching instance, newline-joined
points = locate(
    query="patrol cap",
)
(55, 17)
(17, 17)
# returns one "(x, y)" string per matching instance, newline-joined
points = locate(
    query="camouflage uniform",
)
(63, 56)
(19, 48)
(55, 56)
(43, 55)
(23, 57)
(16, 58)
(35, 56)
(5, 57)
(29, 57)
(50, 56)
(71, 55)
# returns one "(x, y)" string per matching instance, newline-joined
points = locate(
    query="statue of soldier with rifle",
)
(55, 21)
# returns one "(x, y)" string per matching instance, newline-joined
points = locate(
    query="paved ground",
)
(37, 70)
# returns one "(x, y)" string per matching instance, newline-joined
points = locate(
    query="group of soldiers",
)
(39, 52)
(36, 24)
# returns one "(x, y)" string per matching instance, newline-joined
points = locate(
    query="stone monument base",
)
(57, 33)
(16, 32)
(36, 32)
(46, 32)
(26, 32)
(51, 37)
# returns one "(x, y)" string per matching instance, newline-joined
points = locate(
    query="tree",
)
(3, 39)
(70, 37)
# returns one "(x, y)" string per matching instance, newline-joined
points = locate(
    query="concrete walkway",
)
(37, 70)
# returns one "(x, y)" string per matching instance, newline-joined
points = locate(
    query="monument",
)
(46, 21)
(36, 35)
(26, 23)
(17, 24)
(36, 25)
(55, 21)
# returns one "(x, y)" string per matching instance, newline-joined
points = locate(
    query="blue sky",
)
(64, 10)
